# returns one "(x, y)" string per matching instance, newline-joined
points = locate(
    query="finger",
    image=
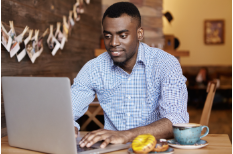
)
(88, 138)
(84, 138)
(106, 142)
(96, 132)
(94, 140)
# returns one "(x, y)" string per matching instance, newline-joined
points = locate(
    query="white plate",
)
(199, 144)
(169, 151)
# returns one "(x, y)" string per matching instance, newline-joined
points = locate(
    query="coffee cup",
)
(188, 133)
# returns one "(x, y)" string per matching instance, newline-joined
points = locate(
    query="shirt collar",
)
(140, 56)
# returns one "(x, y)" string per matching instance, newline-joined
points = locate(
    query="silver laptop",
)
(39, 116)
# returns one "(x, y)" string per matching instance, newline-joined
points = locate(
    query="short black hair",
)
(117, 9)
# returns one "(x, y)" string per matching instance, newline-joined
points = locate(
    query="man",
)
(141, 89)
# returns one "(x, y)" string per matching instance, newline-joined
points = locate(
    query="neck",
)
(127, 69)
(128, 66)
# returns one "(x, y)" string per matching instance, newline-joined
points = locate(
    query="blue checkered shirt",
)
(154, 89)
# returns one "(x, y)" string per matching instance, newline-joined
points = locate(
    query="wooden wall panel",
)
(152, 22)
(39, 14)
(84, 39)
(154, 3)
(138, 3)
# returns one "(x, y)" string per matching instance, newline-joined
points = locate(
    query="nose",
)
(114, 41)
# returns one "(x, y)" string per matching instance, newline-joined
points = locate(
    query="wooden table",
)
(218, 144)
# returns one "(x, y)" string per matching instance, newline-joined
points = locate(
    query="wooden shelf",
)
(172, 52)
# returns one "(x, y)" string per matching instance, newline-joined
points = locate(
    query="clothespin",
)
(36, 35)
(65, 25)
(50, 38)
(58, 28)
(81, 6)
(50, 34)
(74, 12)
(45, 33)
(70, 14)
(51, 30)
(19, 38)
(65, 21)
(71, 21)
(25, 30)
(3, 28)
(76, 16)
(12, 26)
(30, 34)
(77, 3)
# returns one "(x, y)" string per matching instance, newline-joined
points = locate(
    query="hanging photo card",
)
(76, 15)
(57, 46)
(40, 48)
(31, 50)
(40, 45)
(52, 42)
(14, 45)
(40, 41)
(19, 39)
(32, 47)
(21, 54)
(6, 39)
(79, 6)
(70, 22)
(59, 36)
(87, 1)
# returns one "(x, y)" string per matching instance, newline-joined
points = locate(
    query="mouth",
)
(116, 53)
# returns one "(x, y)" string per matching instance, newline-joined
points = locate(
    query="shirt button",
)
(129, 79)
(129, 97)
(128, 114)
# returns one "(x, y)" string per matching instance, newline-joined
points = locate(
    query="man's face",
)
(121, 39)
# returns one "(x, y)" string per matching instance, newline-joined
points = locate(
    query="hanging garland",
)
(33, 46)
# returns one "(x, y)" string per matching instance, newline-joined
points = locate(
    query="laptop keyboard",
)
(80, 149)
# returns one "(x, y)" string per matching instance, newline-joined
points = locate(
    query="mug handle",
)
(207, 131)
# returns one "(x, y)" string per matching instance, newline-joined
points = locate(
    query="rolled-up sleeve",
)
(174, 95)
(82, 93)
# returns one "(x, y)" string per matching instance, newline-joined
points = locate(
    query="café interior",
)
(197, 32)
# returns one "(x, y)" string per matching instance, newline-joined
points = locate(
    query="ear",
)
(140, 33)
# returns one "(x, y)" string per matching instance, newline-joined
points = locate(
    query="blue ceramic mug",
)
(188, 133)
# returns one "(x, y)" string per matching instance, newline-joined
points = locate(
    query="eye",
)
(107, 36)
(123, 36)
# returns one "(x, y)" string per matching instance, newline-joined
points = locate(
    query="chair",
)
(93, 110)
(211, 89)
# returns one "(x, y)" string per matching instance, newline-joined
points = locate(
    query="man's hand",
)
(109, 136)
(76, 132)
